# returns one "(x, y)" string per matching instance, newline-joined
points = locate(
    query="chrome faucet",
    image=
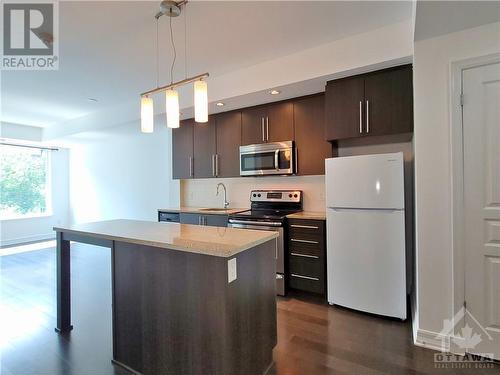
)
(226, 203)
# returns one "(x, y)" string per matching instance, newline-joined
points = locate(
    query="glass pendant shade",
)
(172, 102)
(147, 115)
(200, 101)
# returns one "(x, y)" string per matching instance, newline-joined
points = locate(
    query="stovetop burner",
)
(271, 205)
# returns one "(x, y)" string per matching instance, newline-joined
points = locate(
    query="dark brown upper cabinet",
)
(312, 148)
(228, 127)
(182, 150)
(389, 101)
(268, 123)
(253, 125)
(204, 148)
(377, 103)
(279, 122)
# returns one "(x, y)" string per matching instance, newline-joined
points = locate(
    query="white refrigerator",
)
(366, 268)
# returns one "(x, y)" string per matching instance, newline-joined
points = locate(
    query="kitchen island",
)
(186, 299)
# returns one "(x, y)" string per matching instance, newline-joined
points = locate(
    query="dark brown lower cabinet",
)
(307, 255)
(312, 149)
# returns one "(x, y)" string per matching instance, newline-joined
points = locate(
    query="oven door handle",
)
(256, 223)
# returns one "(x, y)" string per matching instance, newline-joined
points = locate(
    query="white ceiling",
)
(107, 49)
(434, 18)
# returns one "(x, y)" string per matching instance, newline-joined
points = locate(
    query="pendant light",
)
(147, 115)
(173, 9)
(200, 101)
(172, 104)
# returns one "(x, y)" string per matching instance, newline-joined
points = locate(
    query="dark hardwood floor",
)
(313, 338)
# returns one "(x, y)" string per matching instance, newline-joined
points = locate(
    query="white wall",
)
(201, 192)
(38, 228)
(433, 171)
(121, 173)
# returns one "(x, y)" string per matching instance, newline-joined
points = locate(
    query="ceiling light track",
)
(175, 84)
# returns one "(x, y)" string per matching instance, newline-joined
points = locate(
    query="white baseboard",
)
(22, 240)
(432, 340)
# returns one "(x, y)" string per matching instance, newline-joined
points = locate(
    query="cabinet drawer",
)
(304, 248)
(306, 283)
(312, 230)
(306, 266)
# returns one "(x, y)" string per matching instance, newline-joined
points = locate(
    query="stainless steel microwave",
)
(276, 158)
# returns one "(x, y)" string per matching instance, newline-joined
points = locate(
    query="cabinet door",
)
(204, 149)
(252, 125)
(216, 220)
(182, 150)
(279, 122)
(389, 101)
(344, 102)
(228, 144)
(312, 149)
(190, 218)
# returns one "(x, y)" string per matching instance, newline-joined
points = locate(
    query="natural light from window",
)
(24, 182)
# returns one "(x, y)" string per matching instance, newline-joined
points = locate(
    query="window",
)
(24, 182)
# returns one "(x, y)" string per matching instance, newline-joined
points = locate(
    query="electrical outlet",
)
(231, 270)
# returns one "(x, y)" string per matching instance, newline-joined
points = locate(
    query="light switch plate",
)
(231, 270)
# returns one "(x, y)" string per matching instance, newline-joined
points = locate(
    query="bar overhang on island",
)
(176, 308)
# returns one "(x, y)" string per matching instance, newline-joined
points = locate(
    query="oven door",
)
(280, 252)
(267, 159)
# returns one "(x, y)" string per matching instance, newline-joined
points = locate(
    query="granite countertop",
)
(215, 241)
(311, 215)
(202, 210)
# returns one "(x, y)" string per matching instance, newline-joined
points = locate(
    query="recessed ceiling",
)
(107, 49)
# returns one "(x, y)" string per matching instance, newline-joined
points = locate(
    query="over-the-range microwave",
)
(277, 158)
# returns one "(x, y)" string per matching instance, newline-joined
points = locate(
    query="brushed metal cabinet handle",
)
(304, 241)
(305, 277)
(304, 255)
(216, 165)
(303, 226)
(199, 220)
(360, 117)
(267, 128)
(367, 116)
(191, 168)
(213, 165)
(262, 126)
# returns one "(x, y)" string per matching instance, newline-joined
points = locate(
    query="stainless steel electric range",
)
(269, 209)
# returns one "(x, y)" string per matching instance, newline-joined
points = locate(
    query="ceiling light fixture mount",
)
(274, 92)
(219, 104)
(173, 9)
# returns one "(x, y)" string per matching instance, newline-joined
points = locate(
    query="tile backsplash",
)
(201, 192)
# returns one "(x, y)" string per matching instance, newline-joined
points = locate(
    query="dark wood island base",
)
(174, 312)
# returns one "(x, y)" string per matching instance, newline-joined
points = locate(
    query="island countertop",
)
(214, 241)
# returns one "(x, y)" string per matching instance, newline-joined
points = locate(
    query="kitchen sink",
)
(214, 209)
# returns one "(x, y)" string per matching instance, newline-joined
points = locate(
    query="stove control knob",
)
(258, 195)
(295, 195)
(254, 195)
(289, 195)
